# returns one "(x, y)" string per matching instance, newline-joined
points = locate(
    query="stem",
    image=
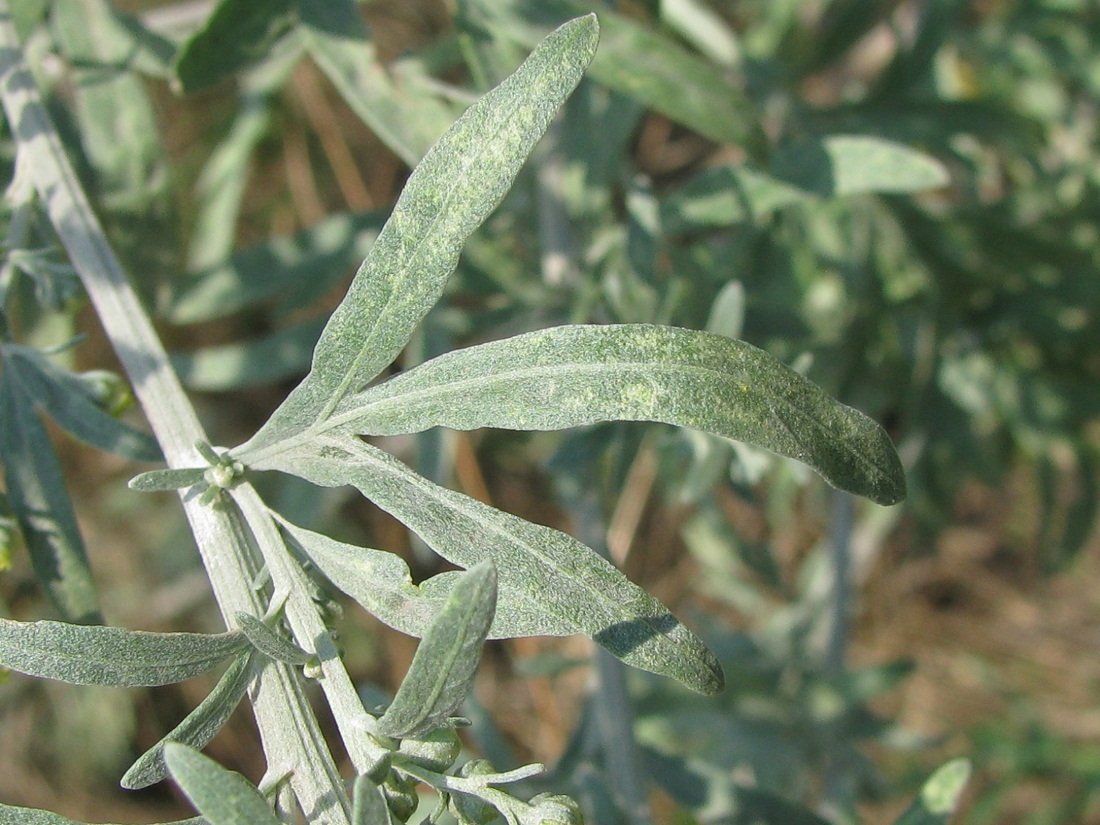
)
(288, 728)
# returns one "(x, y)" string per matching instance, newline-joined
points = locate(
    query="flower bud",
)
(553, 809)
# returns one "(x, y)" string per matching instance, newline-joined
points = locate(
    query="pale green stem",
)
(288, 728)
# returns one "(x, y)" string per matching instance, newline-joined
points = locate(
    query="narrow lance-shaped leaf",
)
(442, 671)
(222, 796)
(69, 402)
(13, 815)
(37, 495)
(268, 641)
(939, 798)
(369, 806)
(380, 581)
(567, 376)
(459, 182)
(839, 165)
(553, 572)
(200, 725)
(115, 656)
(155, 481)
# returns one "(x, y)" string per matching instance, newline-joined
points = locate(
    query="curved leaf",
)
(554, 572)
(459, 182)
(442, 671)
(380, 581)
(567, 376)
(115, 656)
(224, 797)
(839, 165)
(200, 725)
(268, 641)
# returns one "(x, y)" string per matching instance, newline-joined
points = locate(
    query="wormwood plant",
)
(518, 578)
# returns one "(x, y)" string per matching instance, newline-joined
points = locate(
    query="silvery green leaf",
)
(459, 182)
(568, 376)
(939, 797)
(200, 725)
(368, 805)
(38, 498)
(725, 196)
(237, 33)
(336, 36)
(172, 479)
(69, 402)
(222, 796)
(113, 656)
(641, 62)
(443, 668)
(268, 641)
(554, 572)
(282, 354)
(12, 815)
(381, 583)
(840, 165)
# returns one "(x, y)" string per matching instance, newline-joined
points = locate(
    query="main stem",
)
(288, 728)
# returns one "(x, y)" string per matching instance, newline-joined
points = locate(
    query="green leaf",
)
(726, 196)
(268, 641)
(443, 669)
(939, 797)
(71, 404)
(155, 481)
(200, 725)
(41, 504)
(840, 165)
(381, 583)
(459, 182)
(12, 815)
(222, 796)
(568, 376)
(553, 572)
(642, 63)
(368, 806)
(317, 257)
(236, 34)
(338, 41)
(113, 656)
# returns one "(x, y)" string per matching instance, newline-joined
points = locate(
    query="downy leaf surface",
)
(443, 668)
(568, 376)
(368, 805)
(41, 504)
(460, 181)
(268, 641)
(112, 656)
(222, 796)
(200, 725)
(155, 481)
(840, 165)
(554, 572)
(380, 581)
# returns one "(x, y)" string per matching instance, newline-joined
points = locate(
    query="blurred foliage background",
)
(901, 199)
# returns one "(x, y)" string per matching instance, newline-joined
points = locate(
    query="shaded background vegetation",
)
(963, 317)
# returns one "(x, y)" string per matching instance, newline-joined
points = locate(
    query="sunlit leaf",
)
(442, 671)
(459, 182)
(38, 498)
(113, 656)
(381, 583)
(840, 165)
(642, 63)
(200, 725)
(554, 572)
(568, 376)
(222, 796)
(939, 797)
(155, 481)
